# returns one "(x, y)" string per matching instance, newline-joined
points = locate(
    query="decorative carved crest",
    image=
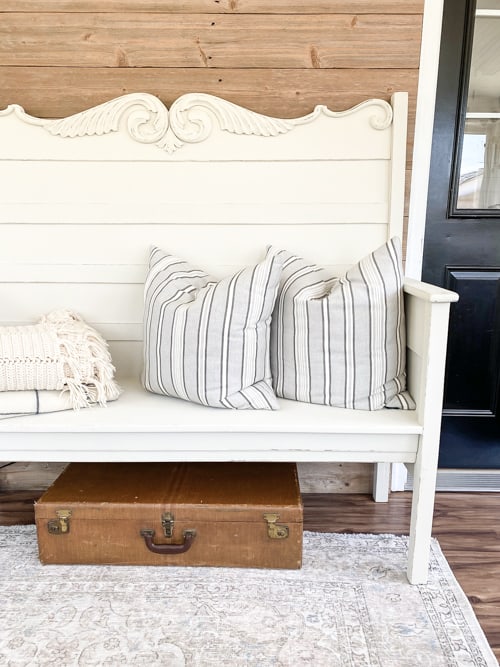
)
(190, 119)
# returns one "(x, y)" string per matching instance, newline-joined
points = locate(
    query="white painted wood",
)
(171, 185)
(398, 165)
(418, 294)
(191, 212)
(99, 302)
(381, 482)
(427, 292)
(399, 475)
(206, 447)
(426, 378)
(422, 138)
(208, 133)
(83, 200)
(141, 412)
(218, 245)
(126, 353)
(99, 273)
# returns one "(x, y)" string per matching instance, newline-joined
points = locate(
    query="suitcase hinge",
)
(274, 530)
(167, 521)
(61, 524)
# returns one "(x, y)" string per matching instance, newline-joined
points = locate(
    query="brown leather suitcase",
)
(222, 514)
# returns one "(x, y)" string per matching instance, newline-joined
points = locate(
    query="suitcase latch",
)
(167, 521)
(274, 530)
(61, 524)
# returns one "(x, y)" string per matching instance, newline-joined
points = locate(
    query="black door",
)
(462, 240)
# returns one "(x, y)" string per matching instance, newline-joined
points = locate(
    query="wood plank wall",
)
(278, 57)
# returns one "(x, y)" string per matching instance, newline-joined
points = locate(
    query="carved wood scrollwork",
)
(190, 120)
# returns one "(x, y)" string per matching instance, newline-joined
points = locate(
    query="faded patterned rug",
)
(349, 606)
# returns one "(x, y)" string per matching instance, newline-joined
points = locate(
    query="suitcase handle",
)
(181, 548)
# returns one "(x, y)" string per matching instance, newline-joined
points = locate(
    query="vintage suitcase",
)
(222, 514)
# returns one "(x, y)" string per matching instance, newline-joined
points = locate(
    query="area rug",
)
(349, 606)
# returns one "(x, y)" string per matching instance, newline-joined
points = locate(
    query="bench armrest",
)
(427, 310)
(428, 292)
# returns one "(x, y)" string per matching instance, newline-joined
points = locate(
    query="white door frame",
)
(422, 145)
(422, 142)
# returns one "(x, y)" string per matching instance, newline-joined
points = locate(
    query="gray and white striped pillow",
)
(341, 341)
(205, 340)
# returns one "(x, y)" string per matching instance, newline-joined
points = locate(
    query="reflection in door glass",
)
(479, 179)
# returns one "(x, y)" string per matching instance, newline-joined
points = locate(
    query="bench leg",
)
(422, 514)
(381, 482)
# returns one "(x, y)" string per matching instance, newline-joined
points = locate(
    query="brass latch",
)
(61, 524)
(167, 521)
(274, 530)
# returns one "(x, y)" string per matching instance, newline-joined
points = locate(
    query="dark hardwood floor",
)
(467, 526)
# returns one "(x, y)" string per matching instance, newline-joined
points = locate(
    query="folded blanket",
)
(61, 352)
(33, 402)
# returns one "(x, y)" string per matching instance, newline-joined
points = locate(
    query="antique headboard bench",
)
(82, 201)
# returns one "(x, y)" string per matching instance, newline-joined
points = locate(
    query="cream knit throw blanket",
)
(60, 352)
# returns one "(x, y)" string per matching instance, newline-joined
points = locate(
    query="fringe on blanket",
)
(60, 352)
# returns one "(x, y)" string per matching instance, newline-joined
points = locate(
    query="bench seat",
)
(178, 430)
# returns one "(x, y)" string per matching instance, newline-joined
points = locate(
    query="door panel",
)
(472, 378)
(462, 240)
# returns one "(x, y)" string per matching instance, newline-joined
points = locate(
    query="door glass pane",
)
(479, 177)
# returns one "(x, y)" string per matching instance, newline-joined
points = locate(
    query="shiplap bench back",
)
(84, 198)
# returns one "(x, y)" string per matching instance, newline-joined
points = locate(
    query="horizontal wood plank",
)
(335, 477)
(220, 6)
(328, 182)
(240, 213)
(191, 40)
(25, 475)
(313, 477)
(58, 92)
(130, 244)
(16, 507)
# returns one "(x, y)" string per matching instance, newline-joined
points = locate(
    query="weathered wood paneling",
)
(54, 92)
(38, 476)
(314, 477)
(190, 40)
(335, 477)
(279, 58)
(220, 6)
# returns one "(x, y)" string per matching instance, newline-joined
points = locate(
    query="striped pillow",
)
(341, 341)
(207, 341)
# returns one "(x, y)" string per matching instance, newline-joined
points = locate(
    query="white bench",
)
(82, 201)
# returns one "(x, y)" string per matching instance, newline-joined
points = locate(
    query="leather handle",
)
(181, 548)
